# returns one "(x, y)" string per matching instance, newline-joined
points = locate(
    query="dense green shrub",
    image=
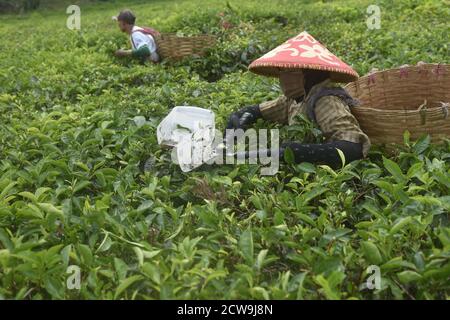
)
(17, 6)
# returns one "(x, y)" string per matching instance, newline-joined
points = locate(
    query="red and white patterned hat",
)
(303, 52)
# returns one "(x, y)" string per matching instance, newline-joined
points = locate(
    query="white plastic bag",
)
(190, 130)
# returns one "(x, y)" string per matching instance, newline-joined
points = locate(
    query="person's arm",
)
(320, 153)
(123, 53)
(324, 153)
(276, 110)
(337, 122)
(342, 131)
(141, 53)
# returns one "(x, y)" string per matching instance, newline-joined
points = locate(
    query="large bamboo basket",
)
(173, 47)
(413, 98)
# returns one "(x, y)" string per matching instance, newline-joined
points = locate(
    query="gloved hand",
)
(243, 118)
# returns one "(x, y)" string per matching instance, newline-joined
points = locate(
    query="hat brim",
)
(274, 70)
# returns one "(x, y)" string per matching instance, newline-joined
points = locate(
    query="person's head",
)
(126, 20)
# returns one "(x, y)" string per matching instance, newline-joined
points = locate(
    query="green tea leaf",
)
(246, 245)
(394, 170)
(124, 284)
(408, 276)
(371, 252)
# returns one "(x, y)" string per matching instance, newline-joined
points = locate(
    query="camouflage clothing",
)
(332, 114)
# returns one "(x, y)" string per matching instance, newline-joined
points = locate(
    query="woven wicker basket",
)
(413, 98)
(173, 47)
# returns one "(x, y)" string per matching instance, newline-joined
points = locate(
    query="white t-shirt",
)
(139, 39)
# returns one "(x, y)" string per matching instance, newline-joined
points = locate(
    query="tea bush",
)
(83, 181)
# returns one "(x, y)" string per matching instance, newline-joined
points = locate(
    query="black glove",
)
(243, 118)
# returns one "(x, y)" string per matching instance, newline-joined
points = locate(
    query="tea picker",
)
(142, 39)
(388, 103)
(307, 72)
(149, 44)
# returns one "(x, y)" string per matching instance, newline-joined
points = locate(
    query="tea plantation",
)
(83, 182)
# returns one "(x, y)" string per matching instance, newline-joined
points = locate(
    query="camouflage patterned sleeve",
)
(338, 123)
(276, 110)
